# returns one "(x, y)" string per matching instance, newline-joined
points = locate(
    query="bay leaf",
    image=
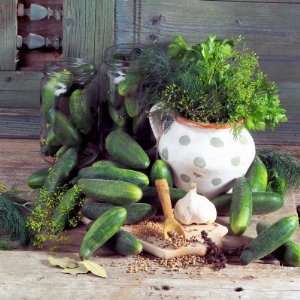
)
(63, 262)
(81, 269)
(94, 268)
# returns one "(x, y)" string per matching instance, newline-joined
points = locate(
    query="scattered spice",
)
(153, 229)
(214, 255)
(147, 263)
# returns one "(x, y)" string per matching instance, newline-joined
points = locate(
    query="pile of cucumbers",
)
(69, 110)
(119, 190)
(119, 187)
(253, 194)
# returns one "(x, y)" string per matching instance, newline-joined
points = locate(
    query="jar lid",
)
(81, 70)
(121, 55)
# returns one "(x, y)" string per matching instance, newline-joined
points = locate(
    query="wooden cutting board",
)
(154, 243)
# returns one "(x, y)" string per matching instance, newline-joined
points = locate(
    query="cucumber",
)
(124, 149)
(111, 191)
(61, 151)
(118, 116)
(114, 173)
(261, 226)
(52, 140)
(136, 212)
(161, 170)
(61, 170)
(266, 202)
(67, 204)
(80, 111)
(126, 244)
(94, 210)
(150, 194)
(101, 163)
(129, 85)
(104, 228)
(222, 204)
(65, 132)
(37, 179)
(257, 176)
(241, 206)
(57, 84)
(270, 239)
(277, 183)
(263, 203)
(291, 256)
(131, 107)
(289, 253)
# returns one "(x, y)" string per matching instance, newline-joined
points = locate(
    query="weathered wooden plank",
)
(35, 61)
(260, 1)
(25, 122)
(19, 123)
(27, 273)
(88, 28)
(271, 29)
(8, 34)
(20, 89)
(19, 158)
(287, 133)
(281, 69)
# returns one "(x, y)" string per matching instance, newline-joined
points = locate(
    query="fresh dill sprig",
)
(282, 165)
(12, 221)
(4, 244)
(50, 214)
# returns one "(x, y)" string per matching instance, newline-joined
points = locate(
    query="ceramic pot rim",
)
(191, 123)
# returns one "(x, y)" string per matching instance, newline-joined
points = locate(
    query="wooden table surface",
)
(26, 275)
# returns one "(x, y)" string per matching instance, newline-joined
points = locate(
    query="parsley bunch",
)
(217, 82)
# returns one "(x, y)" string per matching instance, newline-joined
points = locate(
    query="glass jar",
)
(70, 109)
(117, 60)
(125, 108)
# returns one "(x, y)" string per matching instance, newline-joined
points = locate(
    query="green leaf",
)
(95, 268)
(63, 262)
(81, 269)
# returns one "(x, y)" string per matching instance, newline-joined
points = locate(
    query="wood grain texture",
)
(35, 60)
(28, 273)
(20, 89)
(88, 28)
(18, 159)
(271, 29)
(8, 33)
(19, 123)
(24, 122)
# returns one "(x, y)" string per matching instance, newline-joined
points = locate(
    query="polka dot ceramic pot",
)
(206, 154)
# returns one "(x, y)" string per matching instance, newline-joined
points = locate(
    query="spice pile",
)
(214, 257)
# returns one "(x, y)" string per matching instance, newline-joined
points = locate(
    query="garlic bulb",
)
(195, 209)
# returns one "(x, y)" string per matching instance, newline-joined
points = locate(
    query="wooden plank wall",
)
(88, 28)
(8, 32)
(271, 28)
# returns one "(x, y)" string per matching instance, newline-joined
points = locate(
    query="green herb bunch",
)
(147, 77)
(283, 169)
(12, 221)
(42, 222)
(218, 82)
